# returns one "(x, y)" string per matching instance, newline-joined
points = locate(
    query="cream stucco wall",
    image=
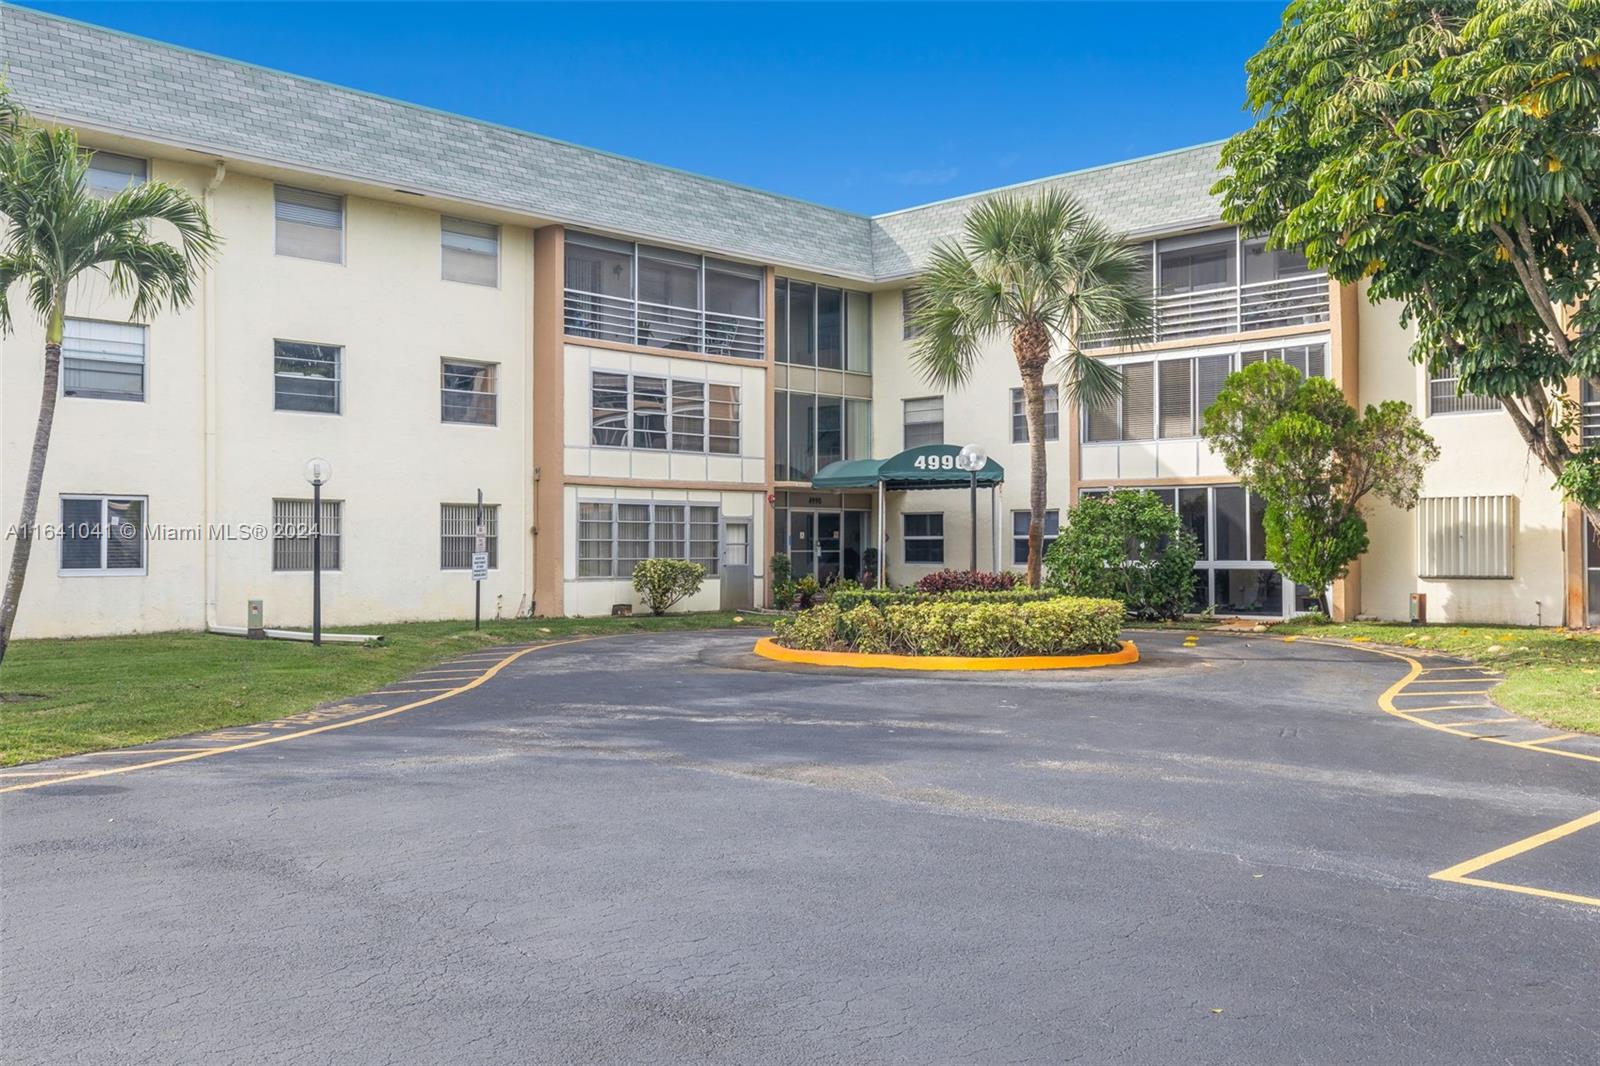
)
(1480, 454)
(394, 460)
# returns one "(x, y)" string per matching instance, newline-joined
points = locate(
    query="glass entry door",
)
(829, 528)
(828, 545)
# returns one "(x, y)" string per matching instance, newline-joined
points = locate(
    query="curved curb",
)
(767, 648)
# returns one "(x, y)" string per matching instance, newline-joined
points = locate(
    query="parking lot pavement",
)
(659, 848)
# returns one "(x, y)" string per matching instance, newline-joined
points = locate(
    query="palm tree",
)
(1044, 272)
(54, 231)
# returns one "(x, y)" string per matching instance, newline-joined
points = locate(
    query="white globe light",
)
(319, 471)
(971, 457)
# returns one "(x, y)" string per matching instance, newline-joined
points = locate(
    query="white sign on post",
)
(480, 566)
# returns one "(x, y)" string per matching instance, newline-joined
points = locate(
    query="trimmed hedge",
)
(846, 599)
(1062, 625)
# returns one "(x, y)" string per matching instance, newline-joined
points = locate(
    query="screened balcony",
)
(661, 298)
(1213, 283)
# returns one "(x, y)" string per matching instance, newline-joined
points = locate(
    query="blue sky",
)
(866, 107)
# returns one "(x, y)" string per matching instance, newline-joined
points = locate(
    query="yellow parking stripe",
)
(1461, 872)
(281, 737)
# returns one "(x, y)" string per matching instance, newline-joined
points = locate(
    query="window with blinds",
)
(663, 414)
(458, 534)
(468, 392)
(310, 225)
(908, 305)
(110, 173)
(102, 360)
(102, 534)
(292, 528)
(924, 421)
(1466, 536)
(470, 251)
(1176, 384)
(306, 377)
(1138, 401)
(1052, 415)
(613, 538)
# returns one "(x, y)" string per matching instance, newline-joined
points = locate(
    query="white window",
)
(310, 225)
(613, 538)
(1446, 398)
(306, 377)
(292, 527)
(908, 304)
(1466, 536)
(470, 251)
(923, 538)
(458, 534)
(1019, 534)
(468, 392)
(1591, 418)
(102, 360)
(1019, 416)
(924, 421)
(662, 414)
(110, 173)
(102, 534)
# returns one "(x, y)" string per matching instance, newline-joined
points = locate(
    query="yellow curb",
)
(767, 648)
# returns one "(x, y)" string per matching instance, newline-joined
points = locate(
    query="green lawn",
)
(1552, 675)
(109, 692)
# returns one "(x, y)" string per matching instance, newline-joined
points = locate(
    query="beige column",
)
(549, 392)
(1344, 355)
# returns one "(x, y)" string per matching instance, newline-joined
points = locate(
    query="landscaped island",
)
(977, 625)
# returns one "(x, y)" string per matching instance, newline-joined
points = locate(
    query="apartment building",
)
(630, 361)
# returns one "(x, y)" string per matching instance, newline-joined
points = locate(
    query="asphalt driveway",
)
(658, 848)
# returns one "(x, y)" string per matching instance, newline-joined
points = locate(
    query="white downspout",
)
(208, 401)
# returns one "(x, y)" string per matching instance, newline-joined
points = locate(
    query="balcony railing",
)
(684, 329)
(1591, 413)
(1295, 301)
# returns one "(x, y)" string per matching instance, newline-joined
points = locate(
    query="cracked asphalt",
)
(657, 848)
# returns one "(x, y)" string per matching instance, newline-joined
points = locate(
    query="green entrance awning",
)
(932, 466)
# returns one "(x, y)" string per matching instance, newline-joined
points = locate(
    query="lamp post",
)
(972, 458)
(318, 472)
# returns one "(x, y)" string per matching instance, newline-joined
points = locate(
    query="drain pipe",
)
(208, 378)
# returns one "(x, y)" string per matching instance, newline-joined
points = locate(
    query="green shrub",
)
(661, 583)
(1061, 625)
(806, 591)
(816, 629)
(1130, 546)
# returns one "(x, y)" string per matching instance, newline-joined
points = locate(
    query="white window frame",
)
(344, 224)
(143, 362)
(1237, 352)
(653, 537)
(783, 355)
(332, 512)
(921, 538)
(104, 192)
(105, 500)
(338, 379)
(705, 436)
(445, 390)
(1021, 541)
(905, 405)
(1019, 409)
(499, 243)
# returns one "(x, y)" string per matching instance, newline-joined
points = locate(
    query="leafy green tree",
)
(1446, 151)
(1045, 274)
(1128, 546)
(53, 233)
(1312, 459)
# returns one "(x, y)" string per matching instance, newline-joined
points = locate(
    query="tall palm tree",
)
(54, 231)
(1043, 272)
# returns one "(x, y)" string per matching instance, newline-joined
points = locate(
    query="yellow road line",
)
(132, 751)
(401, 691)
(1550, 740)
(281, 737)
(1461, 872)
(1446, 692)
(1483, 721)
(1491, 681)
(1409, 714)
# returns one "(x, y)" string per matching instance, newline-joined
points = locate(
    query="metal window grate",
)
(1446, 398)
(291, 534)
(1466, 536)
(458, 534)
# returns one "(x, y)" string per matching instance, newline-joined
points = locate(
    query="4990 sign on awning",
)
(932, 466)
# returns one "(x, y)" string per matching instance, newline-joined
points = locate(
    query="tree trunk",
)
(30, 493)
(1031, 344)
